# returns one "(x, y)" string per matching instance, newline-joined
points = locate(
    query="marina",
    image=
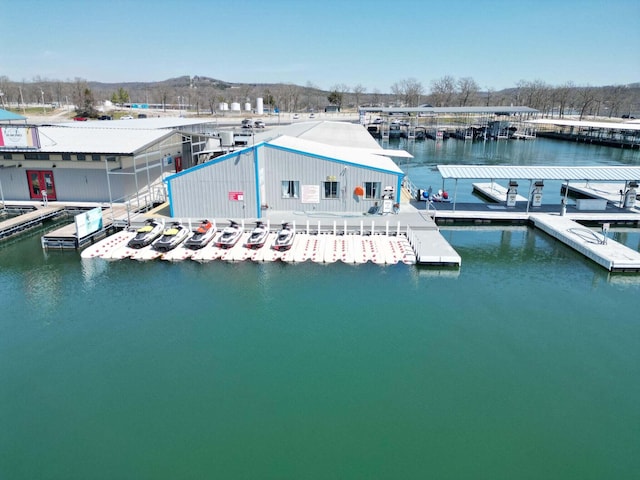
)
(210, 361)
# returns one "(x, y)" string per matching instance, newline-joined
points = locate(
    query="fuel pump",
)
(630, 195)
(512, 193)
(536, 195)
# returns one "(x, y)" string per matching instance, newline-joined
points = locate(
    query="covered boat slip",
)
(536, 175)
(559, 221)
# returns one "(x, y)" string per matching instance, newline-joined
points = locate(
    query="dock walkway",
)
(25, 221)
(608, 253)
(495, 192)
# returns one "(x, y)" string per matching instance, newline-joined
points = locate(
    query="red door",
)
(40, 180)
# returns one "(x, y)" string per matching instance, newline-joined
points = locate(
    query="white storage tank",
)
(247, 107)
(235, 107)
(226, 138)
(259, 106)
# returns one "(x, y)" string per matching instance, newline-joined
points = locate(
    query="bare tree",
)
(586, 98)
(614, 98)
(563, 95)
(396, 90)
(375, 97)
(358, 91)
(467, 91)
(443, 90)
(412, 90)
(490, 92)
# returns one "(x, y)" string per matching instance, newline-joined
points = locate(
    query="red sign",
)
(236, 196)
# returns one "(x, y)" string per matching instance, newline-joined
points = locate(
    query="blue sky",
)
(371, 43)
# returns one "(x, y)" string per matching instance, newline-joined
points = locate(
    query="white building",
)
(324, 167)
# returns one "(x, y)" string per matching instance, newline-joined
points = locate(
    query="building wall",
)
(282, 166)
(209, 190)
(218, 188)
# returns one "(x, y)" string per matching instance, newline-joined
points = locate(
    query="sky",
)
(372, 44)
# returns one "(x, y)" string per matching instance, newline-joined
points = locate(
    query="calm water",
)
(525, 363)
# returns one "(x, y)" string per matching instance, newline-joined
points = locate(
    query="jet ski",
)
(171, 237)
(201, 236)
(147, 234)
(284, 240)
(258, 236)
(229, 236)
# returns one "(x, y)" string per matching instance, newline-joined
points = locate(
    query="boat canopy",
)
(510, 172)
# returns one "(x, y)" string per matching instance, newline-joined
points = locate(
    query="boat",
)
(171, 237)
(229, 235)
(201, 236)
(284, 240)
(146, 234)
(258, 236)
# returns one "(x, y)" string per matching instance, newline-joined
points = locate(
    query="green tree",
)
(120, 97)
(335, 98)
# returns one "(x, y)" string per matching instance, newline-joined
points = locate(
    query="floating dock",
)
(317, 247)
(608, 253)
(611, 192)
(26, 221)
(495, 192)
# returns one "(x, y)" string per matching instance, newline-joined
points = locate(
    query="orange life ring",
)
(359, 191)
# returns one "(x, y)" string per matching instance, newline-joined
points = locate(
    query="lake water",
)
(524, 363)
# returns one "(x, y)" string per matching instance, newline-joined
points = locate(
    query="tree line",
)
(203, 95)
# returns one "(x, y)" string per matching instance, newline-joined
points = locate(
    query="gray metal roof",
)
(150, 123)
(456, 110)
(345, 134)
(611, 173)
(587, 124)
(61, 139)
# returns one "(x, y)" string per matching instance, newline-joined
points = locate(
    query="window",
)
(95, 158)
(7, 156)
(80, 156)
(66, 156)
(371, 190)
(290, 189)
(330, 189)
(36, 156)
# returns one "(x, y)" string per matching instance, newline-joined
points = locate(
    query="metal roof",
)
(585, 124)
(609, 173)
(344, 134)
(60, 139)
(457, 110)
(141, 123)
(6, 115)
(357, 156)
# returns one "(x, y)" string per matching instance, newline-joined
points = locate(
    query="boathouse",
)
(313, 171)
(101, 161)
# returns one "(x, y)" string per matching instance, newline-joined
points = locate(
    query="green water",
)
(524, 363)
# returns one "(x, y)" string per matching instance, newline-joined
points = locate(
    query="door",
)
(41, 181)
